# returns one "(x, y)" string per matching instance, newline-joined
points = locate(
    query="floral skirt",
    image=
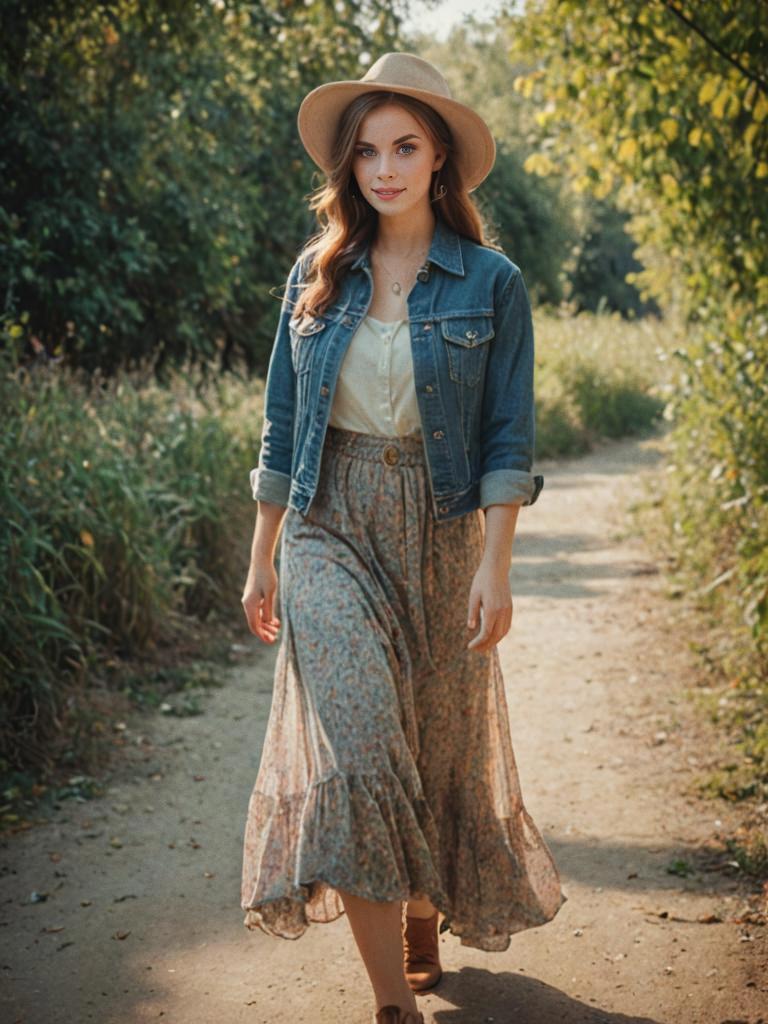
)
(387, 769)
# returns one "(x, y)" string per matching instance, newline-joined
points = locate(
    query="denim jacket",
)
(473, 362)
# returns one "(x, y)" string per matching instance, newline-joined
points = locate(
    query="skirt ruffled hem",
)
(399, 859)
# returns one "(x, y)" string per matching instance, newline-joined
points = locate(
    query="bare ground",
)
(137, 916)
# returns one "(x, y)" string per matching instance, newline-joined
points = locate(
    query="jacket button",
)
(427, 327)
(324, 390)
(437, 433)
(347, 321)
(443, 508)
(429, 388)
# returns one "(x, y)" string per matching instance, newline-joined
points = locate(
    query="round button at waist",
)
(391, 455)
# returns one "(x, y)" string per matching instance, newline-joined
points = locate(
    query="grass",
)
(598, 376)
(125, 504)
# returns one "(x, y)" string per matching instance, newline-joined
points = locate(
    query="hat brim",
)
(321, 109)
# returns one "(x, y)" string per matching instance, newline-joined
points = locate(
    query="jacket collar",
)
(445, 250)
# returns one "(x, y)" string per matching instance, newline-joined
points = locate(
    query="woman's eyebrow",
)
(402, 138)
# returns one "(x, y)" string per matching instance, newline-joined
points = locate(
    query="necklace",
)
(396, 286)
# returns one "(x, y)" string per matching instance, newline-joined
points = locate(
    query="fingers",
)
(474, 611)
(261, 622)
(495, 626)
(267, 630)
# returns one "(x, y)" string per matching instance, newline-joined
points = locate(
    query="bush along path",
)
(125, 908)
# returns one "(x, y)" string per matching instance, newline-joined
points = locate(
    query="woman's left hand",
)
(490, 591)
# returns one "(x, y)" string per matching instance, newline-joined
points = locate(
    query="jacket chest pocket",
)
(303, 331)
(466, 344)
(307, 335)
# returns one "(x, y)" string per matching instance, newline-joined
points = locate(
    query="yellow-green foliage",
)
(717, 511)
(663, 108)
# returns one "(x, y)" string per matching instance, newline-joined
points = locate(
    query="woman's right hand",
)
(258, 601)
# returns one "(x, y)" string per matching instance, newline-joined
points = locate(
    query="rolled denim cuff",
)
(269, 485)
(509, 487)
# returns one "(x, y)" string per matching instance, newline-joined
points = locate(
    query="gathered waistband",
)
(392, 451)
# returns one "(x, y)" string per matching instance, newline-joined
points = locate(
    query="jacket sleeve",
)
(508, 414)
(271, 479)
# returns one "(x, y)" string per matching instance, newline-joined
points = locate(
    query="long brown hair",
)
(347, 224)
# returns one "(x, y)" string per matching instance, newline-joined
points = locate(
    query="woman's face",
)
(394, 153)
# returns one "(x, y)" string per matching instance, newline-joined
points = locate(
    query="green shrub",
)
(716, 510)
(598, 376)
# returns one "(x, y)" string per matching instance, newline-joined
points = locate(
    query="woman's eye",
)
(405, 145)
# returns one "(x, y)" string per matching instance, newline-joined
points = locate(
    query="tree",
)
(541, 223)
(664, 107)
(151, 176)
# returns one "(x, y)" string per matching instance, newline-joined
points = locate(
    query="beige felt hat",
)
(321, 110)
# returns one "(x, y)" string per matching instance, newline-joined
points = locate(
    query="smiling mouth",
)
(388, 191)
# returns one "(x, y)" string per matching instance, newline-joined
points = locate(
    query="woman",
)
(399, 404)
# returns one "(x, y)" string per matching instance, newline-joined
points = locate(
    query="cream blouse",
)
(375, 391)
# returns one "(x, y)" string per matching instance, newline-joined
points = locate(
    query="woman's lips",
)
(388, 194)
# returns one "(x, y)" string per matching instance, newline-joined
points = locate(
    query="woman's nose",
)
(384, 168)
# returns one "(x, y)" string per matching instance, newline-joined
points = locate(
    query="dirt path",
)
(606, 747)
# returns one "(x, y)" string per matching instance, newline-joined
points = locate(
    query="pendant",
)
(396, 288)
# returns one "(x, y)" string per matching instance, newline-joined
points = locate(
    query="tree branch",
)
(761, 82)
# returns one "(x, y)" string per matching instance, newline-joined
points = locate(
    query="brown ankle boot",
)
(394, 1015)
(421, 955)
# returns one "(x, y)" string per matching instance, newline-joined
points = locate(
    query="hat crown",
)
(406, 69)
